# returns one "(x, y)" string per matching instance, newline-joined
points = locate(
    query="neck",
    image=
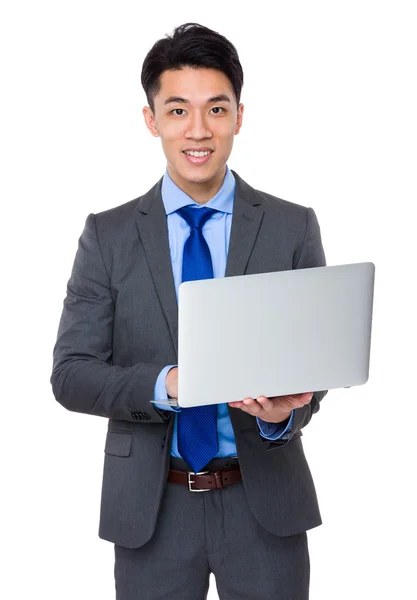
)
(200, 192)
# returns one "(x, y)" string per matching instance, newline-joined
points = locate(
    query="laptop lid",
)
(273, 334)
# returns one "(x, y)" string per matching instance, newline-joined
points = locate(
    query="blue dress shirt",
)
(217, 234)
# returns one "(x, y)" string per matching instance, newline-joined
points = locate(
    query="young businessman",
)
(117, 350)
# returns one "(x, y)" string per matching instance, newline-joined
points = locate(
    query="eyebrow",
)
(219, 98)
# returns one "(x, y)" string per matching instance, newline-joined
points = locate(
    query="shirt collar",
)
(174, 198)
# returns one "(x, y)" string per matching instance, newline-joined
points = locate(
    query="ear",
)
(239, 118)
(150, 120)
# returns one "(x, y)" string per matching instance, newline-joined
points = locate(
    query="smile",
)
(198, 158)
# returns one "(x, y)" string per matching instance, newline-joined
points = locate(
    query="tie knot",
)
(196, 217)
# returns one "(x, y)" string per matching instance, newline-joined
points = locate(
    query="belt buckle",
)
(189, 473)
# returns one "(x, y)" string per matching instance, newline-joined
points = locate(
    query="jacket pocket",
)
(118, 444)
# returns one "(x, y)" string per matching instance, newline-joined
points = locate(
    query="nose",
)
(197, 127)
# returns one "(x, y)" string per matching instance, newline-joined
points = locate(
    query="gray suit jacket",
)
(119, 328)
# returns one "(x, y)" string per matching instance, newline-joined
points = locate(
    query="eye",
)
(175, 109)
(217, 108)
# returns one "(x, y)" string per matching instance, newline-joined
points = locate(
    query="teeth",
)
(198, 154)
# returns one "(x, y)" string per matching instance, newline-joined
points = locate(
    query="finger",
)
(240, 405)
(237, 404)
(254, 408)
(299, 400)
(266, 403)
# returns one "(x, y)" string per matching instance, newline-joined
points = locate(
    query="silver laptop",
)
(273, 334)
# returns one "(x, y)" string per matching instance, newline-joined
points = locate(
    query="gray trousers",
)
(212, 532)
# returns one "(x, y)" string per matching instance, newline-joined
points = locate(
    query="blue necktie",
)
(197, 425)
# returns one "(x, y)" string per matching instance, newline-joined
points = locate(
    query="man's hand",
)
(171, 383)
(273, 410)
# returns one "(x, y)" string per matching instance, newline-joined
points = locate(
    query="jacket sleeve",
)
(83, 377)
(309, 254)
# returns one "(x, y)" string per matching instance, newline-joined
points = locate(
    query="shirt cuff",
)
(275, 431)
(160, 391)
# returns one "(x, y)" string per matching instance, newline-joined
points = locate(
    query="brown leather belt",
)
(204, 481)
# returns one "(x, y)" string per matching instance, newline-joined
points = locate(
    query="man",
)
(117, 350)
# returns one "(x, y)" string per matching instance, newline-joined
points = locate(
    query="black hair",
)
(191, 45)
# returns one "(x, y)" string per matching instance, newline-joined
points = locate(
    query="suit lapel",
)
(153, 232)
(247, 218)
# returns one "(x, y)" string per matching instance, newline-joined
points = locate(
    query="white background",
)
(329, 122)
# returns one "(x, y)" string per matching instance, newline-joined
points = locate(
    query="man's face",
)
(195, 108)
